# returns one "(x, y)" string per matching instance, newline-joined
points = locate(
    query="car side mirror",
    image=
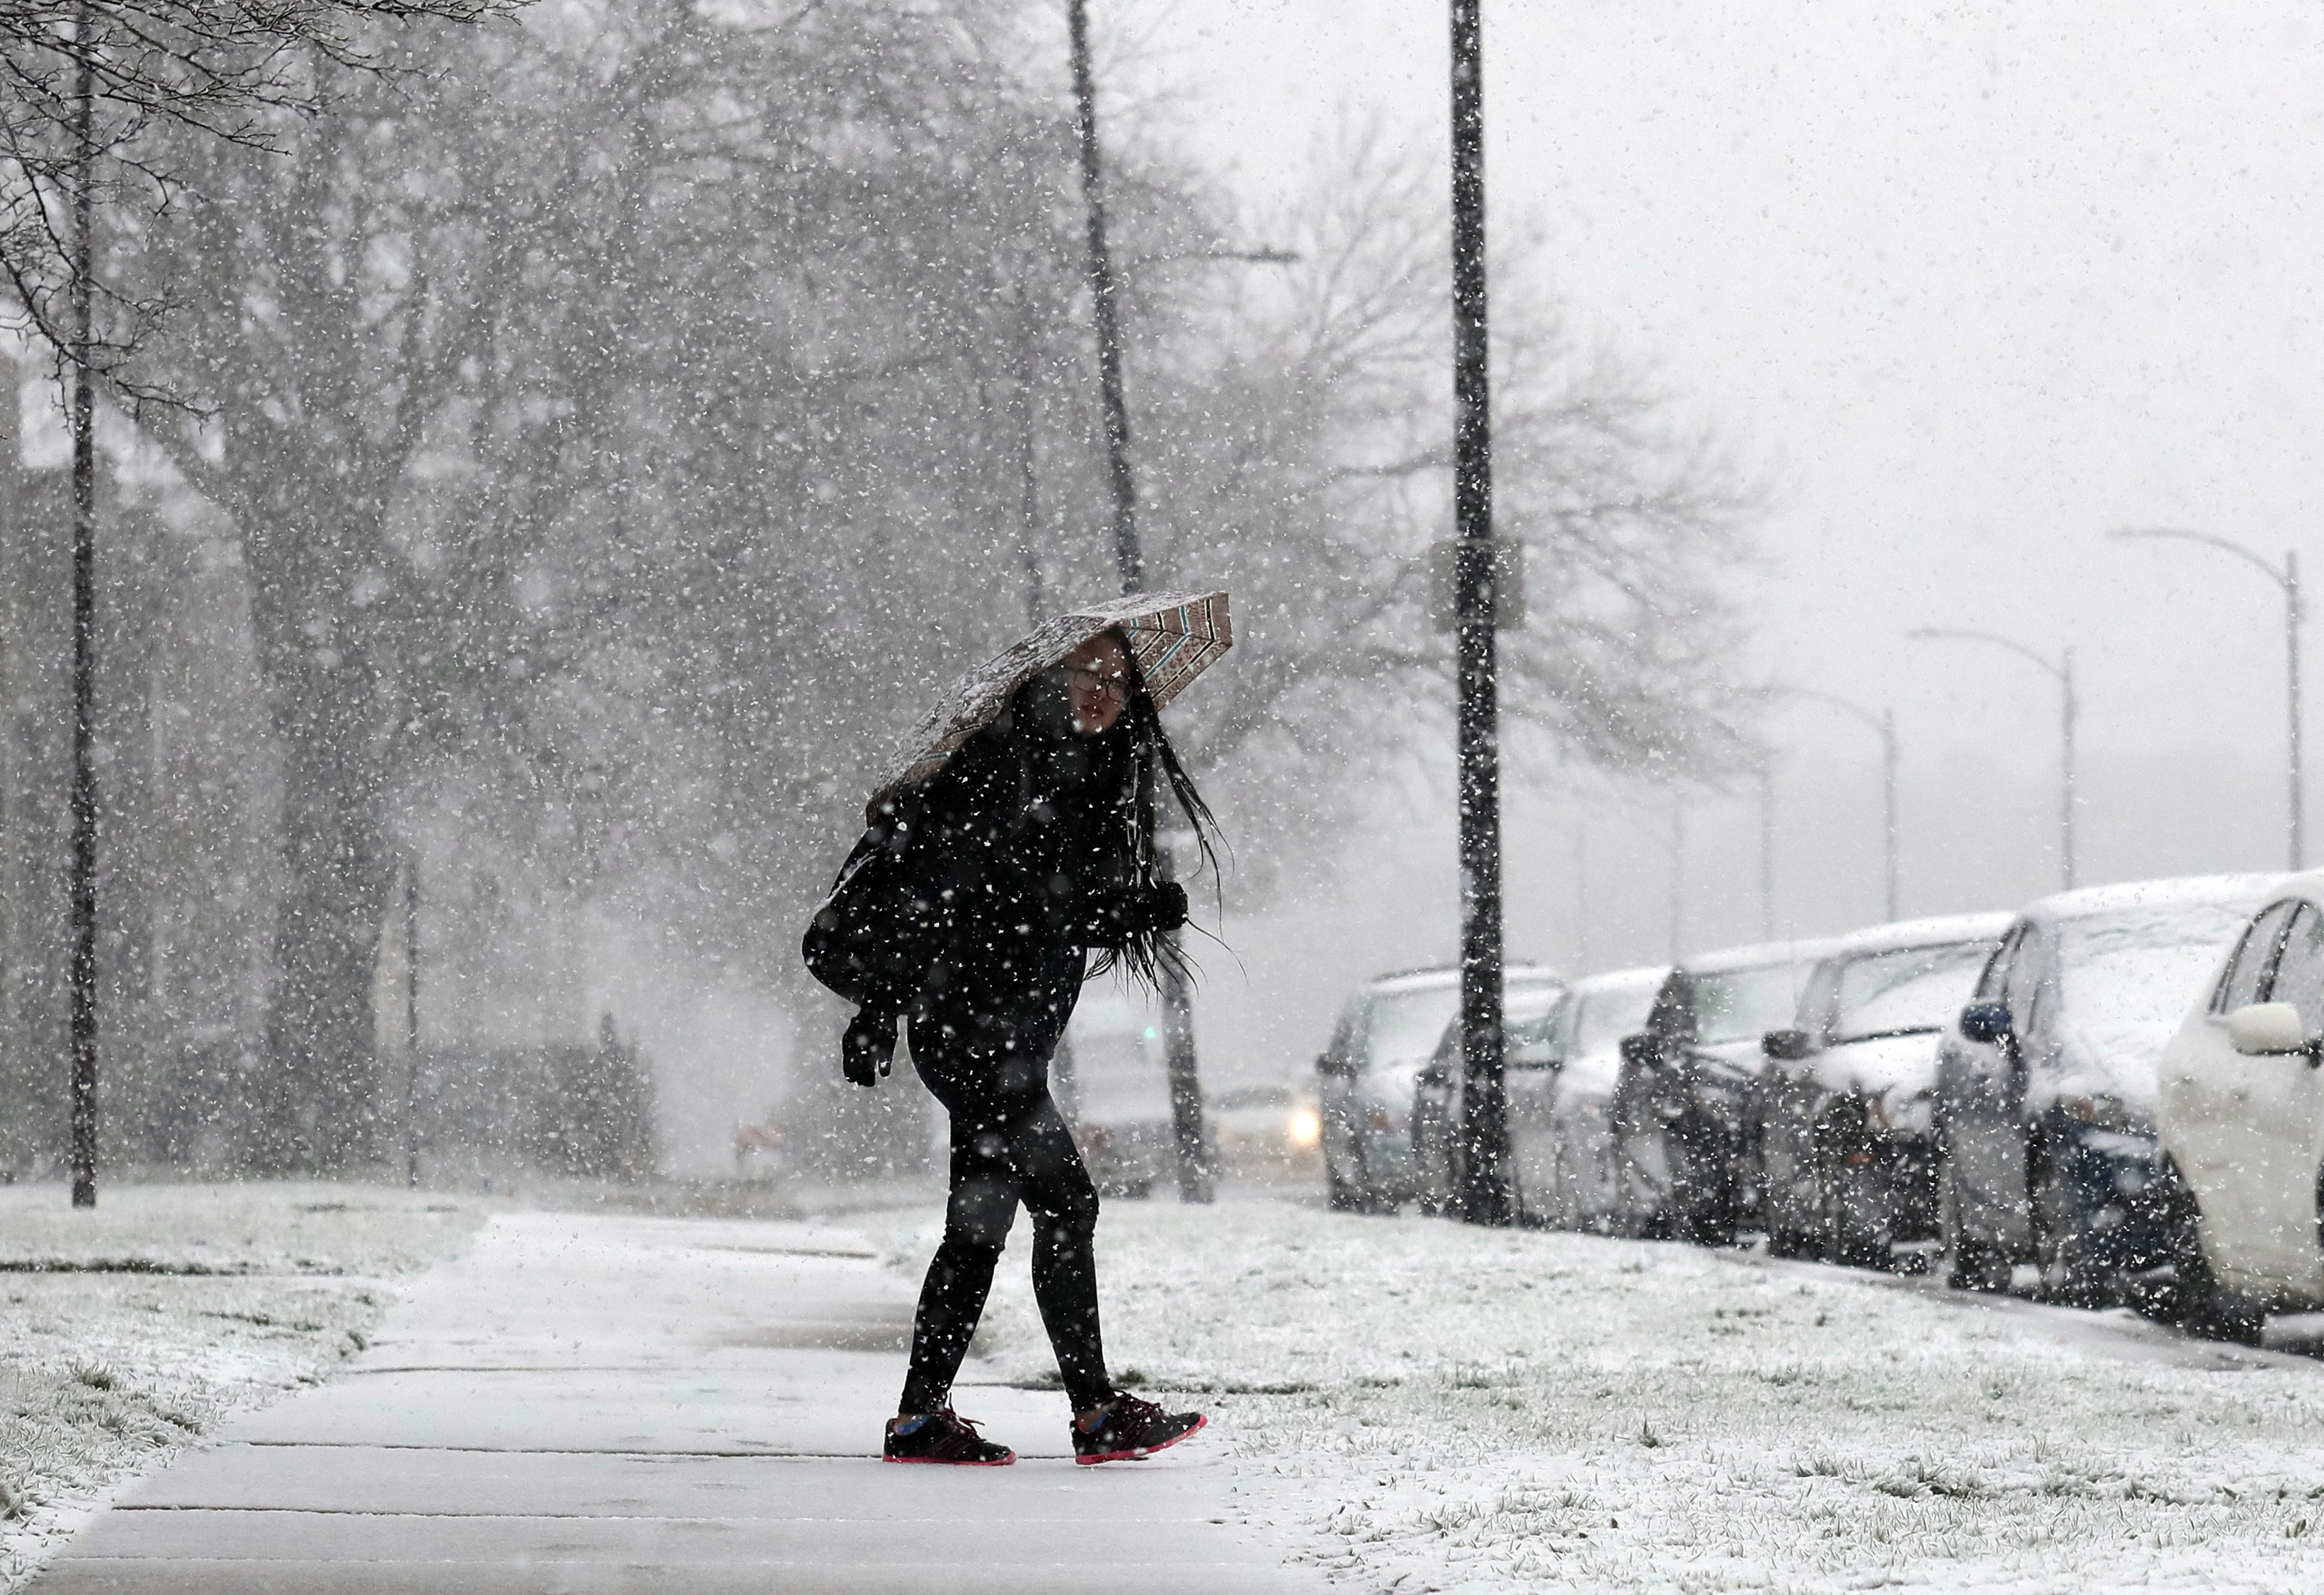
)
(1641, 1051)
(1787, 1047)
(1986, 1022)
(1332, 1063)
(2269, 1029)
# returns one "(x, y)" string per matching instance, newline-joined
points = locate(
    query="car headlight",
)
(1306, 1127)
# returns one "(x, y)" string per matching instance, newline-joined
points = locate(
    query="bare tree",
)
(591, 425)
(153, 72)
(1304, 460)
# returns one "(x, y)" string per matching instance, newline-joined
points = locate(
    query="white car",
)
(1584, 1182)
(1682, 1112)
(2242, 1127)
(1845, 1115)
(1368, 1075)
(1529, 1014)
(2047, 1086)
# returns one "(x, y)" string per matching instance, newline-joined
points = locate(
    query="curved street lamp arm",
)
(1832, 699)
(2224, 545)
(1952, 634)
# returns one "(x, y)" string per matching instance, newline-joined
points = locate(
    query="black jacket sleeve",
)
(947, 842)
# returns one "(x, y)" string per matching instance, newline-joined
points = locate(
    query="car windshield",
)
(1744, 1004)
(1406, 1024)
(1607, 1013)
(2137, 971)
(1906, 988)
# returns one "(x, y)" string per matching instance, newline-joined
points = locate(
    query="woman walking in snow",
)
(988, 883)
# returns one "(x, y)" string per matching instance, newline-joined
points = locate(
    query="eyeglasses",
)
(1113, 686)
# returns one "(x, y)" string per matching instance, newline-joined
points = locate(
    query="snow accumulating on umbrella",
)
(1176, 636)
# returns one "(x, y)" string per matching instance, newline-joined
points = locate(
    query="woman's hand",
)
(1165, 905)
(868, 1050)
(1141, 911)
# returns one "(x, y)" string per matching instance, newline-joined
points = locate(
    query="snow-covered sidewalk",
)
(592, 1404)
(129, 1331)
(1436, 1407)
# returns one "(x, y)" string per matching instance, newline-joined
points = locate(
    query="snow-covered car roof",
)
(2135, 958)
(2177, 891)
(1638, 977)
(2308, 884)
(1935, 931)
(1429, 980)
(1757, 956)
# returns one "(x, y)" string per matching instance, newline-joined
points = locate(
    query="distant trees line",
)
(593, 448)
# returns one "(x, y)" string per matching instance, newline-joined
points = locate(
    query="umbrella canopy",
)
(1175, 635)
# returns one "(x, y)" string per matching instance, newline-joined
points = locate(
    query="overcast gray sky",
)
(1976, 282)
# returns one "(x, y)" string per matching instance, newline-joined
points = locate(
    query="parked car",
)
(1845, 1114)
(2046, 1086)
(1116, 1091)
(1384, 1036)
(1528, 1068)
(2241, 1127)
(1681, 1108)
(1584, 1181)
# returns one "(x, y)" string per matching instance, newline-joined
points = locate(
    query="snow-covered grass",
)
(1426, 1407)
(128, 1331)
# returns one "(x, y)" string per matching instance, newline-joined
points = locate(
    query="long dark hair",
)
(1150, 955)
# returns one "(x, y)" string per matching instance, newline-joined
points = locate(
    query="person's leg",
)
(1059, 1195)
(983, 1206)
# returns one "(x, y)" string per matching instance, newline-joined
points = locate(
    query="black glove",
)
(869, 1048)
(1166, 907)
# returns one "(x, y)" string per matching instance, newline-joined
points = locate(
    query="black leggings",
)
(1008, 1144)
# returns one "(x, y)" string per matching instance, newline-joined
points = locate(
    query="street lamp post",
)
(83, 888)
(1677, 876)
(1196, 1181)
(1484, 1127)
(2062, 670)
(412, 1022)
(1884, 725)
(1766, 847)
(2288, 581)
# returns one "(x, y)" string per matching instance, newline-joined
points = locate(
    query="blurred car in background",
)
(1681, 1108)
(1265, 1134)
(1115, 1092)
(2047, 1084)
(2240, 1124)
(1845, 1113)
(1583, 1181)
(1528, 1074)
(1366, 1078)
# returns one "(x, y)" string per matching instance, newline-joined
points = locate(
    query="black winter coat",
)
(1019, 857)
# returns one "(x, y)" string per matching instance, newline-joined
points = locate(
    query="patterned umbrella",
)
(1175, 636)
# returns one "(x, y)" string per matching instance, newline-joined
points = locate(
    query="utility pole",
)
(412, 1022)
(2062, 671)
(1484, 1110)
(1884, 726)
(1888, 810)
(2069, 709)
(1195, 1181)
(1580, 897)
(1766, 848)
(1678, 876)
(2288, 581)
(1028, 476)
(83, 888)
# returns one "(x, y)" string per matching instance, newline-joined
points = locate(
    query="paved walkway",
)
(592, 1405)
